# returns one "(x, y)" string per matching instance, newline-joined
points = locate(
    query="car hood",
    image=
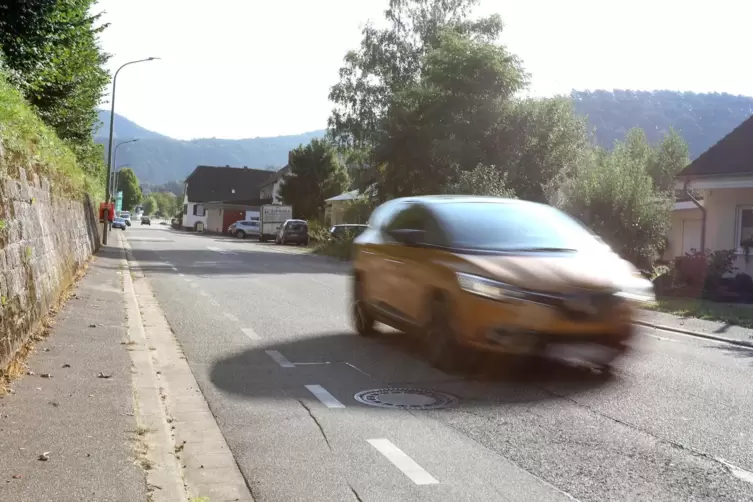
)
(554, 272)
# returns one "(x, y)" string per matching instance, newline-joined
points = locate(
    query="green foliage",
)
(429, 99)
(51, 54)
(129, 185)
(315, 175)
(338, 248)
(615, 195)
(166, 203)
(482, 180)
(28, 142)
(149, 205)
(359, 210)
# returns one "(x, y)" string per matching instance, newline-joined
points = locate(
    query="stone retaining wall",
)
(44, 240)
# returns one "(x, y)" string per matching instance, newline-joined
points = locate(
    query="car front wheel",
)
(240, 234)
(442, 349)
(363, 319)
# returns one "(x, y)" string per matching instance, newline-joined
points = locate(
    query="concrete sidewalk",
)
(76, 403)
(713, 330)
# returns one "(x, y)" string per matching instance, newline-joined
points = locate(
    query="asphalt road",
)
(259, 323)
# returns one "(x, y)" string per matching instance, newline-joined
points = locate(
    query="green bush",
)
(28, 143)
(337, 248)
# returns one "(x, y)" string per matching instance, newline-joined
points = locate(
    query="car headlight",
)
(637, 288)
(487, 288)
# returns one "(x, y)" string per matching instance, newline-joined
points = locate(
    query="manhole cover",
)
(406, 399)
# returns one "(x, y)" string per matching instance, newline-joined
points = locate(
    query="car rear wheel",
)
(363, 319)
(442, 349)
(240, 234)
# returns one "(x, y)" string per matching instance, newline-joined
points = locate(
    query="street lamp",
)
(115, 161)
(109, 144)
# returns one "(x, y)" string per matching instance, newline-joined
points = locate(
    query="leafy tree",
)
(614, 194)
(670, 158)
(315, 175)
(129, 185)
(482, 180)
(167, 203)
(149, 205)
(50, 52)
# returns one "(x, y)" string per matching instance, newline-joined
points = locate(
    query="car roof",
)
(440, 199)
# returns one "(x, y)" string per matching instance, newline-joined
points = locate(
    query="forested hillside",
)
(701, 119)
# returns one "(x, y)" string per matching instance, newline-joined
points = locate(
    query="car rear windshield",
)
(298, 227)
(512, 226)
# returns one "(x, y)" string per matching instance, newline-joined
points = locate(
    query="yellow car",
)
(501, 275)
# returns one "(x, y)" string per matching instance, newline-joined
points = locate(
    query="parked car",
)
(126, 216)
(296, 231)
(119, 223)
(491, 274)
(243, 228)
(145, 220)
(340, 231)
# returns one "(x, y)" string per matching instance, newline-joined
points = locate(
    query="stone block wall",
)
(44, 240)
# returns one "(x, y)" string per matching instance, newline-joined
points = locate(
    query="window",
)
(744, 227)
(198, 210)
(419, 218)
(185, 208)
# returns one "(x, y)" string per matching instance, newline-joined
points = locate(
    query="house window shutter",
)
(194, 209)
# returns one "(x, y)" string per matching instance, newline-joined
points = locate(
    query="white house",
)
(210, 184)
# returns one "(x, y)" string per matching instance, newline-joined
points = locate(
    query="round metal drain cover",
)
(406, 399)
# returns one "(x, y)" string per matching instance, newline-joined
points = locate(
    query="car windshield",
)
(513, 227)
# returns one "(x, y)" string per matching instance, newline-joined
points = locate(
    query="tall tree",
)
(315, 175)
(615, 194)
(128, 183)
(150, 205)
(50, 52)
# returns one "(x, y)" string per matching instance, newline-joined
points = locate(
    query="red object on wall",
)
(229, 217)
(110, 208)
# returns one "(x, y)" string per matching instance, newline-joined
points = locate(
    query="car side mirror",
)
(408, 237)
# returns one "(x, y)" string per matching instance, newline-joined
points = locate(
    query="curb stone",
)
(707, 336)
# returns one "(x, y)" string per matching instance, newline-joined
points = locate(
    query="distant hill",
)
(702, 119)
(158, 159)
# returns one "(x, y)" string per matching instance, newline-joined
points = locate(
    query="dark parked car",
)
(145, 220)
(293, 231)
(340, 231)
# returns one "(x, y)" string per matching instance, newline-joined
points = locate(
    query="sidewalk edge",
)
(707, 336)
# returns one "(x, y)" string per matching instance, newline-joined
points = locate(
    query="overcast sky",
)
(247, 68)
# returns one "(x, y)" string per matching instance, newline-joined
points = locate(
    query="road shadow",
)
(737, 351)
(235, 262)
(351, 363)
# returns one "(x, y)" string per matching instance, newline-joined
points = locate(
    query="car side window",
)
(417, 217)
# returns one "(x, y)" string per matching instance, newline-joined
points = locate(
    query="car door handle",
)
(396, 262)
(369, 252)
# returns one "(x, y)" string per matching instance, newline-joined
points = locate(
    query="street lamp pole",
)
(109, 143)
(113, 186)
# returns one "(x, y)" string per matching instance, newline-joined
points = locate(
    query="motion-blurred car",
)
(119, 223)
(145, 220)
(499, 275)
(340, 231)
(293, 231)
(244, 228)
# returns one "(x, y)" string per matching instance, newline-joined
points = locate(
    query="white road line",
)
(230, 316)
(203, 293)
(214, 302)
(324, 396)
(175, 269)
(182, 275)
(280, 359)
(220, 250)
(250, 333)
(399, 459)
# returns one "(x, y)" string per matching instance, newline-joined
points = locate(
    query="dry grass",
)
(17, 366)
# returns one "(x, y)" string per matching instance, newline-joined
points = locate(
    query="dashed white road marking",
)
(399, 459)
(279, 359)
(324, 396)
(175, 269)
(182, 275)
(203, 293)
(230, 316)
(250, 333)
